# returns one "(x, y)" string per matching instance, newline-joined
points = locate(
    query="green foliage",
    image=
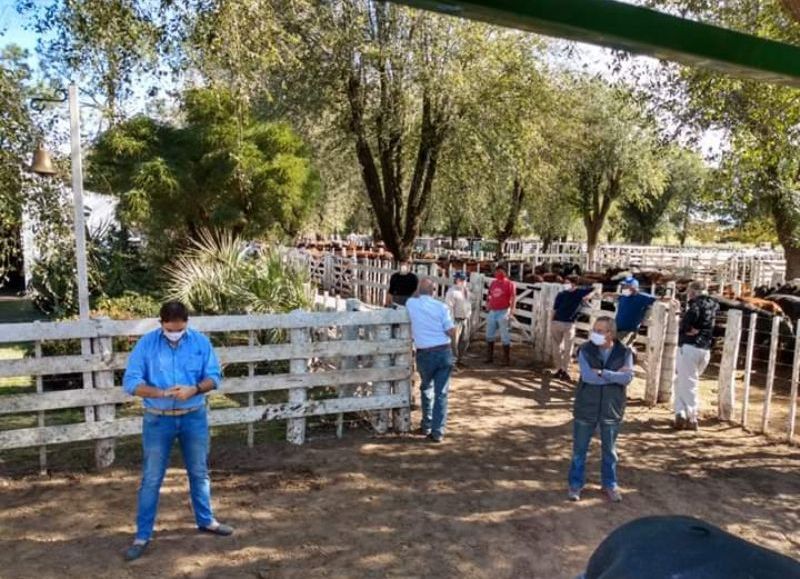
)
(128, 306)
(222, 169)
(16, 144)
(216, 275)
(616, 156)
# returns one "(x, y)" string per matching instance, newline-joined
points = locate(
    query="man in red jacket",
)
(500, 304)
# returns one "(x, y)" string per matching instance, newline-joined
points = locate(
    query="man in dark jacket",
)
(606, 366)
(695, 339)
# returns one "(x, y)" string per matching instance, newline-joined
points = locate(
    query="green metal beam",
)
(636, 29)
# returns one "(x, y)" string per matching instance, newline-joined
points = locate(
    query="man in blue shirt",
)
(632, 306)
(432, 329)
(171, 369)
(562, 327)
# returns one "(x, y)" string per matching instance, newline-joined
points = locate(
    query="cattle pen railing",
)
(309, 363)
(741, 386)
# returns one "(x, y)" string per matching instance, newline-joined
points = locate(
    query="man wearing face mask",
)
(501, 304)
(402, 285)
(172, 369)
(695, 339)
(567, 304)
(606, 366)
(632, 306)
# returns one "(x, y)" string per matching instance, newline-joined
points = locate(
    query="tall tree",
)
(615, 157)
(252, 179)
(761, 119)
(16, 144)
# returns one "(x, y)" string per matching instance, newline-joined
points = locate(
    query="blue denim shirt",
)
(155, 363)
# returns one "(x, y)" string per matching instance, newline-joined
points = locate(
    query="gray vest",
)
(606, 403)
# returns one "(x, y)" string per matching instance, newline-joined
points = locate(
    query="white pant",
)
(692, 362)
(562, 334)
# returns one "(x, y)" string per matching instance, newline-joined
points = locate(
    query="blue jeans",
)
(158, 435)
(434, 371)
(581, 437)
(498, 319)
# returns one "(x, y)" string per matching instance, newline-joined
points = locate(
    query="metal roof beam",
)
(636, 29)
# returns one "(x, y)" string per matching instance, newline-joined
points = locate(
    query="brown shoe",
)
(692, 425)
(680, 422)
(489, 352)
(506, 355)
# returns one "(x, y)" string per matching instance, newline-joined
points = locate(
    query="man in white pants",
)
(695, 340)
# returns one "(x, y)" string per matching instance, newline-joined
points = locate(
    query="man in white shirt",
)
(458, 300)
(432, 329)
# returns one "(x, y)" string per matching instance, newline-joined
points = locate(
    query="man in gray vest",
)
(606, 366)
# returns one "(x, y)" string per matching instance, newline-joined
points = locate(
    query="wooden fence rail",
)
(376, 376)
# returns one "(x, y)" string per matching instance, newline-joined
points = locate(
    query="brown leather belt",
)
(175, 412)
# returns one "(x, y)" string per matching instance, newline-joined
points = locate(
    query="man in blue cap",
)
(632, 306)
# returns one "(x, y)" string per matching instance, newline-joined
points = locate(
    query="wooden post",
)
(104, 448)
(402, 418)
(670, 356)
(40, 420)
(748, 367)
(773, 360)
(349, 334)
(251, 372)
(549, 293)
(795, 378)
(655, 348)
(296, 427)
(727, 367)
(381, 333)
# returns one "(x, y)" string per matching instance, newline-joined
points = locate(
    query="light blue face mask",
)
(597, 338)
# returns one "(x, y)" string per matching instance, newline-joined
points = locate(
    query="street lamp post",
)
(77, 189)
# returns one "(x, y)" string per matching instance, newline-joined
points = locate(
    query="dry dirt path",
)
(489, 502)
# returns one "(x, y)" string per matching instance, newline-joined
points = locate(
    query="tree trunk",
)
(787, 225)
(592, 235)
(510, 225)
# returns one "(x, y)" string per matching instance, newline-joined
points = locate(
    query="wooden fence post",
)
(402, 418)
(669, 358)
(381, 333)
(748, 367)
(104, 448)
(40, 420)
(349, 334)
(296, 427)
(795, 378)
(773, 360)
(655, 348)
(727, 367)
(251, 372)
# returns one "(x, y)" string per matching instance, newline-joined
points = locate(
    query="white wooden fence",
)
(361, 358)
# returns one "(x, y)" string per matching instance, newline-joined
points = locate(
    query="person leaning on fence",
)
(606, 367)
(457, 299)
(500, 305)
(432, 329)
(172, 369)
(632, 308)
(567, 304)
(402, 285)
(695, 340)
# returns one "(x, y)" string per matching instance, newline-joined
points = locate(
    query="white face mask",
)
(627, 292)
(174, 336)
(404, 268)
(597, 338)
(569, 287)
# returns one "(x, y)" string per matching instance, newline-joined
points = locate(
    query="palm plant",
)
(217, 275)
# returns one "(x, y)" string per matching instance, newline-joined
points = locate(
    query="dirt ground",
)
(489, 502)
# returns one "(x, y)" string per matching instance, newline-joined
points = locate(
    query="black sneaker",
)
(135, 551)
(436, 437)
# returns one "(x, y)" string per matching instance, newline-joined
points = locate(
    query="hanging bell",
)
(42, 165)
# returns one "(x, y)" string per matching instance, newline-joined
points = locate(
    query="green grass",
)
(18, 310)
(14, 384)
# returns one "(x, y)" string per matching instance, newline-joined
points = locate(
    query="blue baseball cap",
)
(631, 281)
(459, 275)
